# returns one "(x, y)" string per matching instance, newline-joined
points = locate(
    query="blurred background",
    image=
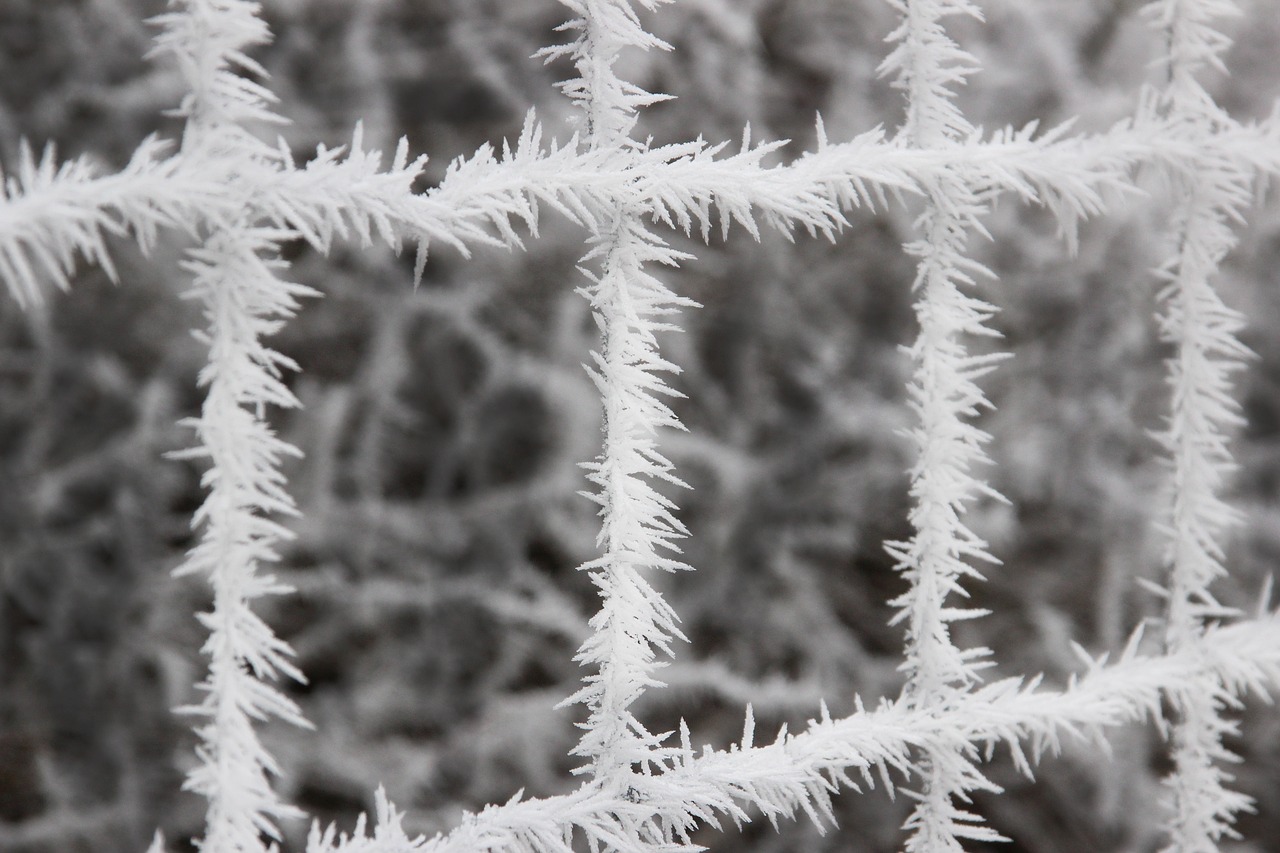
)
(438, 606)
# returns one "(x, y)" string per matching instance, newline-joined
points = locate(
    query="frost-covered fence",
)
(242, 198)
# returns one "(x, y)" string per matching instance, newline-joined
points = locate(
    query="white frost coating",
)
(638, 528)
(1212, 193)
(945, 397)
(643, 792)
(244, 301)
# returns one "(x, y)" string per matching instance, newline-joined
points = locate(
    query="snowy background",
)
(438, 607)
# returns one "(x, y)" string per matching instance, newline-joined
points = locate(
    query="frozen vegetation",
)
(638, 425)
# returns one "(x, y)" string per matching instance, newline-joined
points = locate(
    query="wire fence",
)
(243, 200)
